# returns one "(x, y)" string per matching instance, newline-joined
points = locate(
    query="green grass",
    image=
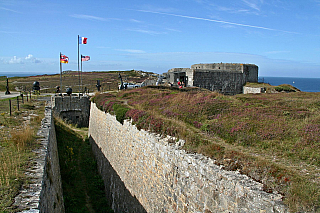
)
(267, 137)
(16, 144)
(82, 185)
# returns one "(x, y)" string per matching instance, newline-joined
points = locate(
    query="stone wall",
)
(144, 173)
(73, 109)
(43, 193)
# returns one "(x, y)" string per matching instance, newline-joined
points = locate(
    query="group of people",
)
(181, 84)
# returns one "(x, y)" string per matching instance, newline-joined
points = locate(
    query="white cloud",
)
(28, 59)
(277, 52)
(135, 21)
(254, 4)
(7, 9)
(15, 60)
(131, 51)
(102, 47)
(150, 32)
(218, 21)
(173, 30)
(32, 59)
(235, 10)
(91, 18)
(158, 9)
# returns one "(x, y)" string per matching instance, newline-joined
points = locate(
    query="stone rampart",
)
(144, 173)
(43, 193)
(73, 109)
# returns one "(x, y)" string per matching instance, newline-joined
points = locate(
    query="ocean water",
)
(303, 84)
(10, 75)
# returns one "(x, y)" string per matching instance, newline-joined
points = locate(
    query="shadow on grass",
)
(83, 187)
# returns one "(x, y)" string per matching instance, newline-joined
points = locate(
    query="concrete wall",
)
(44, 191)
(223, 82)
(180, 73)
(226, 78)
(72, 109)
(144, 173)
(253, 90)
(219, 66)
(251, 72)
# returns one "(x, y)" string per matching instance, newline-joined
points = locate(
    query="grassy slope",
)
(273, 138)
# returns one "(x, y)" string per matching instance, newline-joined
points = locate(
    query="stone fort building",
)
(226, 78)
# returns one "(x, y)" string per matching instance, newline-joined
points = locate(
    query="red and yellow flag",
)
(64, 59)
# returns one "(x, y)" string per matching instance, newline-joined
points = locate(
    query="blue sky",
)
(281, 37)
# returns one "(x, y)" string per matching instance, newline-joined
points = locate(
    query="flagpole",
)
(78, 65)
(60, 73)
(81, 72)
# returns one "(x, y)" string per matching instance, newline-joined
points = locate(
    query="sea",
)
(303, 84)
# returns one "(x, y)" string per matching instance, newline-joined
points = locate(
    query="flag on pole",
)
(64, 59)
(85, 58)
(82, 40)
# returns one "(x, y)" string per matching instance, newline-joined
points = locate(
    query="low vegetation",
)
(273, 138)
(83, 187)
(48, 83)
(17, 140)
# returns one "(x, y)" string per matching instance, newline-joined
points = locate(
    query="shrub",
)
(120, 112)
(28, 106)
(284, 88)
(22, 138)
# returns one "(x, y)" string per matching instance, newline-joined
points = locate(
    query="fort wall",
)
(224, 82)
(226, 78)
(144, 173)
(43, 193)
(158, 176)
(230, 67)
(73, 109)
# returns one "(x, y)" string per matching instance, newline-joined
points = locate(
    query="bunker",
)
(226, 78)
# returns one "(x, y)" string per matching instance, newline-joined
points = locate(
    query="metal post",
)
(22, 98)
(10, 107)
(60, 72)
(81, 74)
(78, 65)
(27, 97)
(18, 103)
(7, 87)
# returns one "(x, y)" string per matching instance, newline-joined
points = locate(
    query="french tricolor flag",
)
(82, 40)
